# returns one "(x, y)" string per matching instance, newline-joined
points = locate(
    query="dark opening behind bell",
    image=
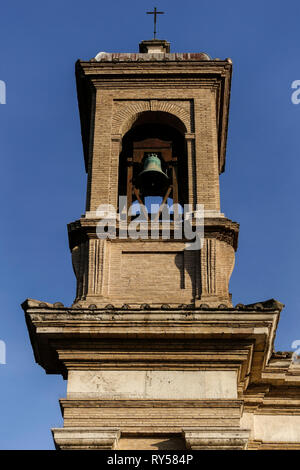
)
(152, 181)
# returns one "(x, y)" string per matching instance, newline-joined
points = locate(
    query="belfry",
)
(155, 354)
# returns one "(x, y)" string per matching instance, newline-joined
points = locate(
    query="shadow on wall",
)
(175, 443)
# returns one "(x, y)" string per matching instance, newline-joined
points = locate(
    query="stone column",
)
(190, 145)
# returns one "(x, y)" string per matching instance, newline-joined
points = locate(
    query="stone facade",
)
(155, 354)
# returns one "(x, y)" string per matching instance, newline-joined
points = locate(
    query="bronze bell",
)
(152, 181)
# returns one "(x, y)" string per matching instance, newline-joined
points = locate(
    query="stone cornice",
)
(181, 338)
(221, 228)
(55, 331)
(268, 306)
(166, 66)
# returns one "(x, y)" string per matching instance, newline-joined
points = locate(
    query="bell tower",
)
(155, 354)
(154, 124)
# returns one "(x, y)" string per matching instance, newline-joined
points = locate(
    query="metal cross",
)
(155, 13)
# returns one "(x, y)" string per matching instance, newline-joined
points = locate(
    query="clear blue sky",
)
(43, 179)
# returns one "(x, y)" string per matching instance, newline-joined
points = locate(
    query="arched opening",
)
(154, 151)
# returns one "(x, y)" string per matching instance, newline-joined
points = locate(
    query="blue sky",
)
(43, 179)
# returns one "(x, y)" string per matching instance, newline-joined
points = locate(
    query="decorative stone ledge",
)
(103, 307)
(218, 438)
(86, 438)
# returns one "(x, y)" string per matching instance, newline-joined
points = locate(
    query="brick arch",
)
(129, 113)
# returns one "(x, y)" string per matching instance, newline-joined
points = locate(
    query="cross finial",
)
(155, 13)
